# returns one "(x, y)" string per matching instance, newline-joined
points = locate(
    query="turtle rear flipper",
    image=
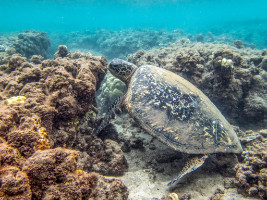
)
(190, 166)
(114, 110)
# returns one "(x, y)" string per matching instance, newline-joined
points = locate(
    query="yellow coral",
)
(16, 100)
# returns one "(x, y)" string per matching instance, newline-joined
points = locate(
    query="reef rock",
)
(117, 43)
(14, 184)
(55, 95)
(27, 44)
(105, 157)
(10, 156)
(53, 174)
(52, 104)
(251, 173)
(62, 52)
(31, 43)
(232, 78)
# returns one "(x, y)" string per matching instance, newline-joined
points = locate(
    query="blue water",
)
(243, 19)
(190, 15)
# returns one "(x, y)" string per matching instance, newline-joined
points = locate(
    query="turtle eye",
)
(113, 67)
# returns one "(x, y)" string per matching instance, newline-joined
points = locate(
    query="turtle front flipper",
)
(114, 110)
(190, 166)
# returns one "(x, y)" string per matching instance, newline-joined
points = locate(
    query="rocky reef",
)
(234, 79)
(27, 44)
(117, 43)
(45, 109)
(120, 43)
(49, 110)
(251, 173)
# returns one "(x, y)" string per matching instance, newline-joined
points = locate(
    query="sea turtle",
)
(173, 110)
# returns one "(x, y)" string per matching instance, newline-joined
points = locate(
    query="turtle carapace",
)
(173, 110)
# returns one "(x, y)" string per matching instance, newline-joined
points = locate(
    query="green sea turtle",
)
(173, 110)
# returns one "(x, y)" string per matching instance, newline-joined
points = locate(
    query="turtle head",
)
(122, 69)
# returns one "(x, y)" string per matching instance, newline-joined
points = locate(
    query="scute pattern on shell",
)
(164, 96)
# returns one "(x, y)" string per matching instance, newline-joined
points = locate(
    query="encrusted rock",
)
(251, 174)
(105, 157)
(49, 105)
(53, 174)
(10, 156)
(62, 52)
(14, 184)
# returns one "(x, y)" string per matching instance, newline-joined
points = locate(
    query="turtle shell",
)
(177, 113)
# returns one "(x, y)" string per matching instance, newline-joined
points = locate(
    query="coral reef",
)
(120, 43)
(45, 107)
(232, 78)
(50, 174)
(31, 43)
(53, 174)
(251, 173)
(117, 43)
(105, 157)
(14, 184)
(27, 44)
(62, 52)
(10, 156)
(57, 94)
(36, 59)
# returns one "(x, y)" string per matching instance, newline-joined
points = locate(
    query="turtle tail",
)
(114, 110)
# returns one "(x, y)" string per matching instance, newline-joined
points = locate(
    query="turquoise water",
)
(190, 15)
